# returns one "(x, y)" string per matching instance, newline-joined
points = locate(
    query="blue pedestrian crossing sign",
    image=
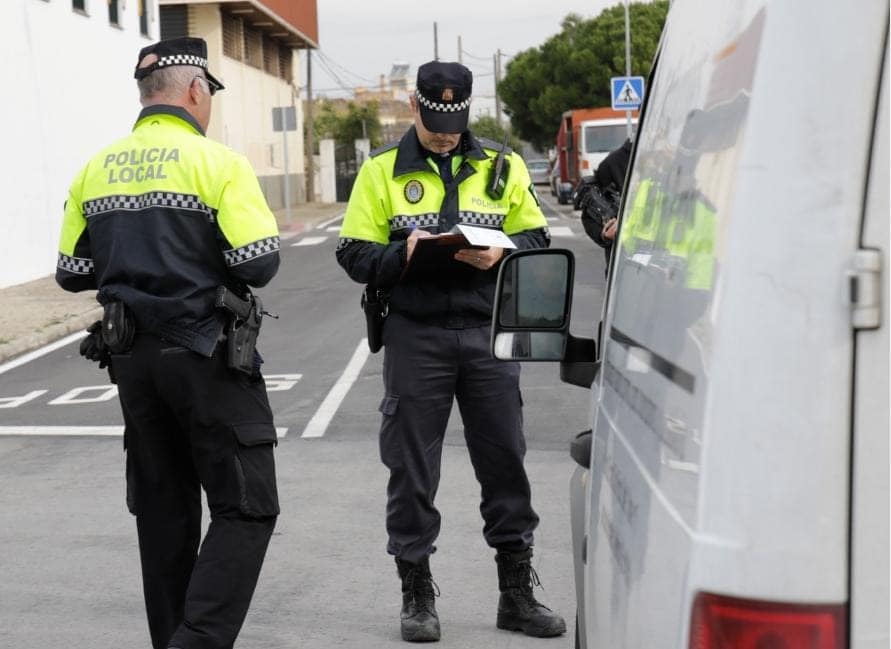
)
(628, 92)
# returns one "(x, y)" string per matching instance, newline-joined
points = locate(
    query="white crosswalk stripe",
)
(310, 241)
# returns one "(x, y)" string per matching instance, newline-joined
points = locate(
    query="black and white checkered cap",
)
(177, 51)
(443, 94)
(442, 107)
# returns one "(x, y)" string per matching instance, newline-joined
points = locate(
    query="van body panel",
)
(870, 484)
(723, 409)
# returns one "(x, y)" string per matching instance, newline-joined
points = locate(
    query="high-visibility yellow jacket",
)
(160, 219)
(400, 188)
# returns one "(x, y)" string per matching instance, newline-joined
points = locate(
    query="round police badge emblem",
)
(414, 191)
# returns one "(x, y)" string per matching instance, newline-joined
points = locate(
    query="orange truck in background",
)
(585, 137)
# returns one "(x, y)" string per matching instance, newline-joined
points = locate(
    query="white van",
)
(736, 493)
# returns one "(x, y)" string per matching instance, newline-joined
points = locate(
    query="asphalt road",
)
(69, 559)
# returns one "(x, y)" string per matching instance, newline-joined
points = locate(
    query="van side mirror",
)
(532, 305)
(530, 322)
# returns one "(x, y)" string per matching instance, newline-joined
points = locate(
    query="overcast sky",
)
(359, 41)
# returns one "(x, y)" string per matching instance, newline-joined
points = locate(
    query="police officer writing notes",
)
(436, 340)
(158, 222)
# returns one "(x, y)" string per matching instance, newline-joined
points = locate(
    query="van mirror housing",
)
(530, 322)
(532, 305)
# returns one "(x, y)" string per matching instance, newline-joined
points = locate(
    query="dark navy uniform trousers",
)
(193, 423)
(427, 367)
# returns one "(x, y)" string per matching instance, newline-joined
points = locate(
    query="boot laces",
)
(530, 579)
(422, 587)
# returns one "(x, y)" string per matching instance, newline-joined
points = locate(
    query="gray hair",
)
(166, 85)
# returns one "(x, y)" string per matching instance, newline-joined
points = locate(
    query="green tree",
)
(346, 123)
(572, 69)
(488, 127)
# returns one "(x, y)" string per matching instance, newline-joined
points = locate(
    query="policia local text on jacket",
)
(436, 342)
(159, 220)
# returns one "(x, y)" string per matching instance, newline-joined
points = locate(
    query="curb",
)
(50, 334)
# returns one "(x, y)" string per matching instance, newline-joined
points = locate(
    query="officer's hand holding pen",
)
(416, 233)
(482, 259)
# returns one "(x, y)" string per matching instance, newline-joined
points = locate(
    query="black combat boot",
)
(419, 620)
(518, 610)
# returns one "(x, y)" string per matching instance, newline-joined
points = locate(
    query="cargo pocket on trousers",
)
(255, 469)
(389, 438)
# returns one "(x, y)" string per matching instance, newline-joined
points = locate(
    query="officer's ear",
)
(195, 91)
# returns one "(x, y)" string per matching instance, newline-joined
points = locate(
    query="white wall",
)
(68, 90)
(242, 113)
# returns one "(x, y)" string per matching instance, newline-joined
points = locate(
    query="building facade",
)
(67, 73)
(254, 48)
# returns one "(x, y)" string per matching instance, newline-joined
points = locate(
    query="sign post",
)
(284, 119)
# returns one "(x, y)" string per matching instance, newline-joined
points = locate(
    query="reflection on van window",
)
(678, 196)
(602, 139)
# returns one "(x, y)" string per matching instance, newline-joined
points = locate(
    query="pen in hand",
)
(414, 234)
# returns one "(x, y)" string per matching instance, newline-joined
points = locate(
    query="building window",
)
(253, 47)
(174, 21)
(285, 63)
(270, 56)
(143, 18)
(113, 16)
(233, 37)
(79, 5)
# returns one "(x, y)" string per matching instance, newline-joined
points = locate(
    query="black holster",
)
(245, 319)
(375, 305)
(118, 327)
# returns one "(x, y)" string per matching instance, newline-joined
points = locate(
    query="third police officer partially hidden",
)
(436, 340)
(165, 222)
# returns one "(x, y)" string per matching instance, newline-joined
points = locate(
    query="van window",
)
(602, 139)
(664, 284)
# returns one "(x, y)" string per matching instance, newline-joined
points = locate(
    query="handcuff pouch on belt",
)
(245, 319)
(375, 305)
(118, 327)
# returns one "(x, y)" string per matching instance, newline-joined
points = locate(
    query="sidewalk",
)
(37, 313)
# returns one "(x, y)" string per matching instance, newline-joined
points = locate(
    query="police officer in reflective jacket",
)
(158, 222)
(436, 340)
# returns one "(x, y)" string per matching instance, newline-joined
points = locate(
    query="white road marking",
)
(325, 224)
(333, 228)
(309, 241)
(561, 231)
(37, 353)
(15, 402)
(96, 394)
(284, 236)
(79, 431)
(319, 422)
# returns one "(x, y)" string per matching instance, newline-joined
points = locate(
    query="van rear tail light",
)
(585, 164)
(721, 622)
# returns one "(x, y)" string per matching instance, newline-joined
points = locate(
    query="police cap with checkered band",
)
(177, 51)
(443, 94)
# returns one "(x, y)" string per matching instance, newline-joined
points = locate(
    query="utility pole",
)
(627, 62)
(435, 43)
(310, 130)
(460, 52)
(497, 62)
